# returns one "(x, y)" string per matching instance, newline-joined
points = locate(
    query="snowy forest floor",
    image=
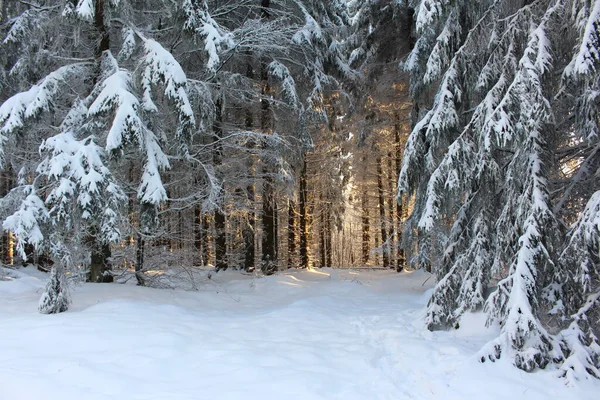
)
(322, 334)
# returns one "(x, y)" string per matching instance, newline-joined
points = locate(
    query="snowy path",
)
(300, 335)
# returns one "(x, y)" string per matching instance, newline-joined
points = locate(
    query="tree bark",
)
(220, 219)
(328, 246)
(384, 244)
(100, 252)
(139, 260)
(101, 28)
(400, 256)
(291, 234)
(391, 237)
(249, 226)
(303, 211)
(322, 235)
(248, 234)
(269, 238)
(269, 209)
(99, 263)
(366, 235)
(198, 235)
(205, 239)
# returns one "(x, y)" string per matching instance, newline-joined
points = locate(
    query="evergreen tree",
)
(494, 65)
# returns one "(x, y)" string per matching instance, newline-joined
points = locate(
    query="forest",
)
(150, 138)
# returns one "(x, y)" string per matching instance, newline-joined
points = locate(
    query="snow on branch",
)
(429, 13)
(151, 189)
(199, 20)
(80, 176)
(585, 61)
(22, 25)
(448, 176)
(15, 111)
(26, 222)
(115, 95)
(442, 50)
(85, 9)
(162, 68)
(288, 86)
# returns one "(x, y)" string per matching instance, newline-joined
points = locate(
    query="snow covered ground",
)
(326, 334)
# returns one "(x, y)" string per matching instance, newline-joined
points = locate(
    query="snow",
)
(28, 104)
(25, 222)
(85, 9)
(116, 95)
(586, 59)
(322, 334)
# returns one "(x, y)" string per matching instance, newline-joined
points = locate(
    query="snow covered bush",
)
(56, 297)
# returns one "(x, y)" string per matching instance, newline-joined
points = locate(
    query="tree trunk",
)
(322, 241)
(303, 211)
(205, 239)
(384, 244)
(99, 265)
(269, 209)
(7, 184)
(102, 29)
(198, 235)
(249, 226)
(269, 238)
(100, 252)
(220, 219)
(392, 242)
(248, 234)
(366, 235)
(139, 260)
(328, 249)
(220, 241)
(291, 234)
(400, 256)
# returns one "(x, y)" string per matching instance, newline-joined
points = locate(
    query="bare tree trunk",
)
(102, 29)
(139, 260)
(269, 210)
(322, 235)
(400, 256)
(328, 241)
(392, 242)
(269, 239)
(249, 226)
(205, 239)
(386, 260)
(220, 219)
(198, 235)
(366, 235)
(248, 234)
(303, 209)
(291, 234)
